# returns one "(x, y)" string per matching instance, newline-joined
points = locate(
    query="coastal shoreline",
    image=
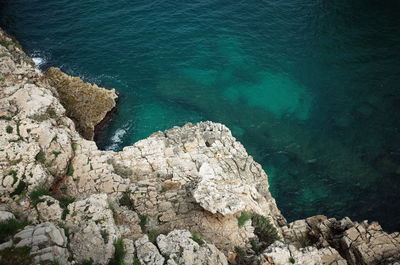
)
(163, 197)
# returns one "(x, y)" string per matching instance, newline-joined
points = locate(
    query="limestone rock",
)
(129, 247)
(47, 242)
(286, 254)
(4, 215)
(92, 229)
(358, 243)
(85, 103)
(180, 248)
(147, 252)
(49, 210)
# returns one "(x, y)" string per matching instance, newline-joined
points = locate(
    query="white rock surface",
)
(47, 242)
(4, 215)
(147, 252)
(180, 248)
(92, 229)
(49, 210)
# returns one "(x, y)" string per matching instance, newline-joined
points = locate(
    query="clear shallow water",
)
(311, 88)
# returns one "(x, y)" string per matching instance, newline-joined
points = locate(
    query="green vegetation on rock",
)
(37, 193)
(244, 216)
(9, 129)
(64, 202)
(16, 256)
(70, 170)
(40, 157)
(265, 231)
(119, 253)
(8, 228)
(196, 238)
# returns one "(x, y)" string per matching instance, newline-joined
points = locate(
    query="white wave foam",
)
(38, 61)
(116, 139)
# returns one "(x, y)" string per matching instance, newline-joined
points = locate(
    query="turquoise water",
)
(311, 88)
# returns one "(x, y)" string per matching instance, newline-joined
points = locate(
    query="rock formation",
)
(86, 104)
(188, 195)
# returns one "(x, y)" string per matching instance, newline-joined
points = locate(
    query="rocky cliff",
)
(188, 195)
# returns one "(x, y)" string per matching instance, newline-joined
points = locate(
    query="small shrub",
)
(16, 256)
(243, 218)
(70, 170)
(74, 147)
(264, 230)
(256, 246)
(8, 228)
(20, 188)
(163, 189)
(56, 153)
(125, 200)
(143, 222)
(292, 260)
(152, 234)
(37, 193)
(9, 129)
(52, 113)
(196, 238)
(241, 256)
(40, 157)
(64, 202)
(104, 234)
(119, 253)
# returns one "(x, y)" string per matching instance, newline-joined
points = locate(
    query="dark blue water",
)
(311, 88)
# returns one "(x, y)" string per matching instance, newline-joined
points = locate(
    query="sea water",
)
(311, 88)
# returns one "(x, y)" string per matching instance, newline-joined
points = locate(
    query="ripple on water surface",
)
(311, 88)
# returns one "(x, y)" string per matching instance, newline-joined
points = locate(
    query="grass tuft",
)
(70, 170)
(19, 189)
(64, 202)
(196, 238)
(119, 253)
(125, 200)
(143, 222)
(40, 157)
(8, 228)
(243, 218)
(152, 234)
(9, 129)
(104, 234)
(265, 231)
(37, 193)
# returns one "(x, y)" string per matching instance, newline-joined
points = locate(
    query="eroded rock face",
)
(49, 210)
(358, 243)
(85, 103)
(280, 254)
(180, 248)
(92, 229)
(46, 241)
